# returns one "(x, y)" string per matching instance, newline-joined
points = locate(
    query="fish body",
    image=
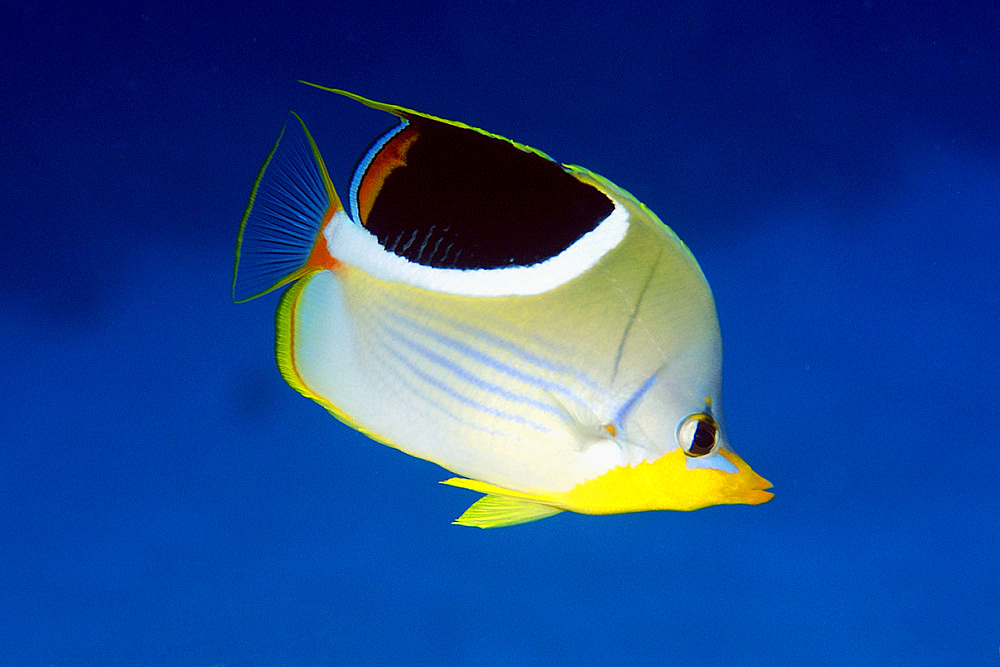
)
(527, 325)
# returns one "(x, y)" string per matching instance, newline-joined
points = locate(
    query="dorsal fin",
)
(447, 195)
(410, 114)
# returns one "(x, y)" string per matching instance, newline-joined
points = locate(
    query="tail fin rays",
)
(292, 199)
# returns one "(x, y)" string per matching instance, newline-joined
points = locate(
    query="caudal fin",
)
(292, 199)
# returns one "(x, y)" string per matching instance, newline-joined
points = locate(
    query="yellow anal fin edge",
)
(492, 511)
(287, 322)
(503, 508)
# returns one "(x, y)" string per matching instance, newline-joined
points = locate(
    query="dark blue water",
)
(165, 499)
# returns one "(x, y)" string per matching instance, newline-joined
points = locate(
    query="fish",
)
(525, 324)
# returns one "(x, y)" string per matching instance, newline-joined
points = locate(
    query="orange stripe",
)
(389, 157)
(320, 257)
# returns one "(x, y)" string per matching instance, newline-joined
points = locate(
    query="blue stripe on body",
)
(485, 359)
(631, 400)
(396, 356)
(529, 357)
(452, 393)
(466, 376)
(434, 382)
(396, 359)
(462, 398)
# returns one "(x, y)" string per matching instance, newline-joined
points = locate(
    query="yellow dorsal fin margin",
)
(403, 112)
(500, 507)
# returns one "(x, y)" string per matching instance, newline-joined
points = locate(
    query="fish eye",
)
(698, 434)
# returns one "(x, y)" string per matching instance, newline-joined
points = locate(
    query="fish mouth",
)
(755, 491)
(751, 489)
(758, 492)
(757, 496)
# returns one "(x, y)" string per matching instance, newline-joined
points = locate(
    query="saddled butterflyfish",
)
(525, 324)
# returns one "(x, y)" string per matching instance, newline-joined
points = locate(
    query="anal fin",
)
(500, 507)
(496, 511)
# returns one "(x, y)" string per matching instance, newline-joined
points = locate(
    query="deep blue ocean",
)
(166, 499)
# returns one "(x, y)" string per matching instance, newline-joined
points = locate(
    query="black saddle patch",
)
(463, 200)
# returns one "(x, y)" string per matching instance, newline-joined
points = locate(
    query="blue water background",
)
(165, 498)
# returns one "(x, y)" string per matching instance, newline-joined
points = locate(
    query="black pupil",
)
(703, 440)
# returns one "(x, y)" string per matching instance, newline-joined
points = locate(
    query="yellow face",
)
(668, 484)
(678, 480)
(678, 417)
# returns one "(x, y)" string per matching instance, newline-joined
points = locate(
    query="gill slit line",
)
(635, 314)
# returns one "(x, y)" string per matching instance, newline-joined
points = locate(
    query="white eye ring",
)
(698, 434)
